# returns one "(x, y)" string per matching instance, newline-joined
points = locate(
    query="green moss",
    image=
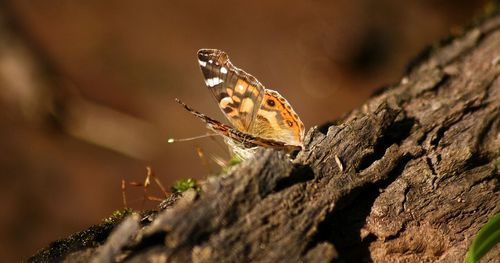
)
(184, 185)
(58, 250)
(117, 215)
(89, 238)
(232, 162)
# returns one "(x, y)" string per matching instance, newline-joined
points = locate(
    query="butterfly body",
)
(260, 117)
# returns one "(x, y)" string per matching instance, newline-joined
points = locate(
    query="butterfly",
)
(259, 117)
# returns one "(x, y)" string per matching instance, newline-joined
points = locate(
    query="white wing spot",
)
(223, 70)
(225, 102)
(214, 81)
(202, 63)
(240, 89)
(210, 61)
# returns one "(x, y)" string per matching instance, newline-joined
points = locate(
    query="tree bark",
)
(410, 176)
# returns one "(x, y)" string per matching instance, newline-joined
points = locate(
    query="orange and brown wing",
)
(244, 139)
(238, 94)
(277, 120)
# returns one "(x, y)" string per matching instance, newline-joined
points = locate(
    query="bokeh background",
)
(87, 89)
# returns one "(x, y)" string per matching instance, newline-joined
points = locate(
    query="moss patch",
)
(184, 185)
(89, 238)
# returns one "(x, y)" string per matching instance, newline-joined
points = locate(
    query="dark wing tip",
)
(206, 54)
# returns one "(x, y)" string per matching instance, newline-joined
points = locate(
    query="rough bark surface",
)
(411, 176)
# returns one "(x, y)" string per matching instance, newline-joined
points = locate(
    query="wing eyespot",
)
(270, 102)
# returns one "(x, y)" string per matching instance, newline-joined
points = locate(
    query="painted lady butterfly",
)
(260, 117)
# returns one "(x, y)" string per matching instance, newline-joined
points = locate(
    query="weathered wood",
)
(410, 176)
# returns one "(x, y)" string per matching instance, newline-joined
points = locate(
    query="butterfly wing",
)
(243, 139)
(276, 120)
(250, 108)
(238, 93)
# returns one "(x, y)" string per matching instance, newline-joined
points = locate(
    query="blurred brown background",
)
(87, 89)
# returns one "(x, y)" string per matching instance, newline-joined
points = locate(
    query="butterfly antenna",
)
(197, 114)
(172, 140)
